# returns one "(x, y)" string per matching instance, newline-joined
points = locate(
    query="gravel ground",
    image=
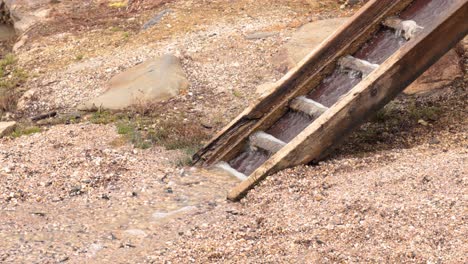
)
(223, 66)
(79, 194)
(69, 192)
(395, 206)
(399, 205)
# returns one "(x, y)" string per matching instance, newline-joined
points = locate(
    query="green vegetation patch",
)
(143, 131)
(171, 134)
(25, 130)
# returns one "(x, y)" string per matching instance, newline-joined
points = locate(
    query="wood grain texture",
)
(381, 86)
(299, 81)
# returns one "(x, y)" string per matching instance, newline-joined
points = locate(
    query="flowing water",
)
(333, 87)
(376, 50)
(288, 126)
(424, 11)
(380, 47)
(249, 160)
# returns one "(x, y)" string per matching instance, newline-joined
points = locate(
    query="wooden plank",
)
(299, 81)
(396, 73)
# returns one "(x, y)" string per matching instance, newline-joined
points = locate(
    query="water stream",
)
(288, 126)
(249, 160)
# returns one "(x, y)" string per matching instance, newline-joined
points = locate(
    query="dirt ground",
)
(76, 192)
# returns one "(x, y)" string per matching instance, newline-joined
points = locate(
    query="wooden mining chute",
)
(380, 51)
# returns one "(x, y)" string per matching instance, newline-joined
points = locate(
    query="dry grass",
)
(144, 128)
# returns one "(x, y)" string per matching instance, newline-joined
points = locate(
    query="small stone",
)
(39, 214)
(112, 236)
(155, 20)
(57, 199)
(422, 122)
(206, 125)
(94, 249)
(63, 259)
(7, 128)
(76, 190)
(8, 116)
(320, 242)
(127, 245)
(260, 35)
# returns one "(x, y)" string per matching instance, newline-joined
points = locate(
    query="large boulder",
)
(152, 81)
(309, 36)
(26, 13)
(439, 75)
(304, 40)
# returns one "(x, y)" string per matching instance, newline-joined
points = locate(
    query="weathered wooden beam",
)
(381, 86)
(299, 81)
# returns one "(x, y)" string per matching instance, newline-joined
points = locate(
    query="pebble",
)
(260, 35)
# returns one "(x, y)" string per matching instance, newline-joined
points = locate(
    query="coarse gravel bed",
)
(395, 206)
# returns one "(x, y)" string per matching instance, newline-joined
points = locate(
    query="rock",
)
(439, 75)
(25, 99)
(422, 122)
(20, 43)
(26, 13)
(260, 35)
(155, 20)
(349, 3)
(6, 128)
(93, 249)
(306, 39)
(152, 81)
(7, 116)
